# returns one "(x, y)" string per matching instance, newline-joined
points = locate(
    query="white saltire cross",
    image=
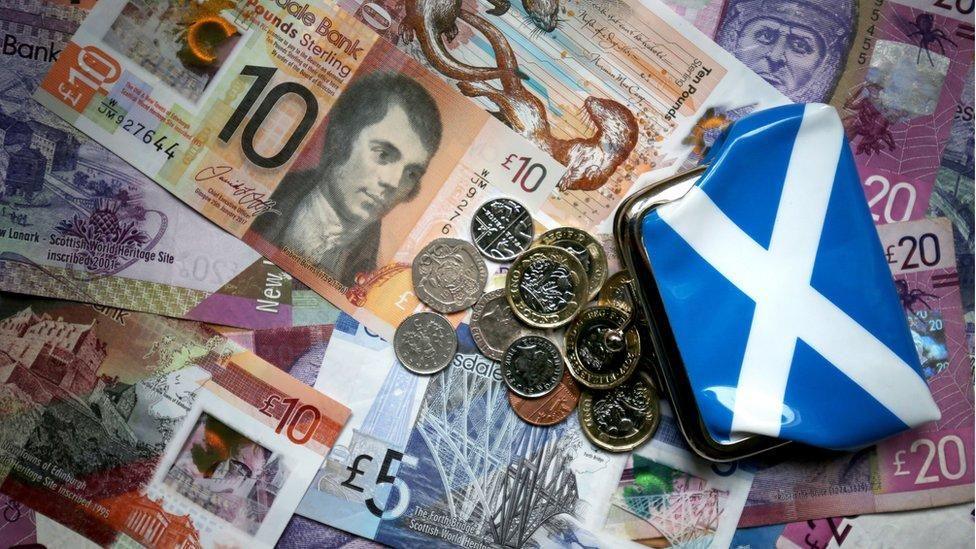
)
(778, 281)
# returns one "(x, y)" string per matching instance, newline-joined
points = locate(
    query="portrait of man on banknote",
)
(798, 46)
(378, 141)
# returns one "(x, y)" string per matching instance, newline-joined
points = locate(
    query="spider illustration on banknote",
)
(928, 35)
(865, 122)
(910, 297)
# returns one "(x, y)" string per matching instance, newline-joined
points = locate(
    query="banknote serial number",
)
(162, 143)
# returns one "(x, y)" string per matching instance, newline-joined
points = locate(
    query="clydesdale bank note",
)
(158, 430)
(77, 222)
(300, 132)
(338, 156)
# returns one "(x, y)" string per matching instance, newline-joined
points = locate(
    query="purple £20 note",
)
(895, 69)
(925, 467)
(936, 459)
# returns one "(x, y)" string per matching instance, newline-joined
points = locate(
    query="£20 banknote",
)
(896, 70)
(77, 222)
(300, 131)
(928, 466)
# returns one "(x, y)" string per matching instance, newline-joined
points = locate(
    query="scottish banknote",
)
(156, 430)
(895, 69)
(925, 467)
(301, 132)
(945, 526)
(22, 527)
(77, 222)
(300, 351)
(611, 89)
(953, 196)
(443, 460)
(668, 497)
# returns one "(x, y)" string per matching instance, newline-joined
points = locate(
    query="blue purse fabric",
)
(777, 291)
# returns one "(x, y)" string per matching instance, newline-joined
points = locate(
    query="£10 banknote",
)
(77, 222)
(158, 431)
(613, 90)
(300, 132)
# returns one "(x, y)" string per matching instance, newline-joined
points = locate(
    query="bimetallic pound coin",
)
(546, 287)
(587, 250)
(622, 418)
(425, 343)
(449, 275)
(502, 229)
(616, 292)
(549, 409)
(593, 360)
(494, 326)
(532, 366)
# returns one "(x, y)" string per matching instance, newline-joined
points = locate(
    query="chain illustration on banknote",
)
(601, 84)
(77, 222)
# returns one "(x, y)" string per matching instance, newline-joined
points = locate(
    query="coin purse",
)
(771, 306)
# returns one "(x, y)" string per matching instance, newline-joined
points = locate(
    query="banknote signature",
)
(247, 196)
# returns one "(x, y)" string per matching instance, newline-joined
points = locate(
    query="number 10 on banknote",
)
(299, 131)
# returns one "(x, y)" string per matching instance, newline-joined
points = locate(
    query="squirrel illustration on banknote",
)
(590, 160)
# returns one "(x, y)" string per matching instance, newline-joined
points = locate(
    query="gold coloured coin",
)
(546, 287)
(622, 418)
(596, 356)
(616, 292)
(585, 248)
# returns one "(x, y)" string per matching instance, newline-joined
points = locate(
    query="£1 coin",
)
(622, 418)
(602, 351)
(587, 251)
(546, 287)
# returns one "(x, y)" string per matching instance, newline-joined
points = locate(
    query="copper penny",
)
(549, 409)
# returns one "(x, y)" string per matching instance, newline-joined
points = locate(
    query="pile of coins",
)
(604, 360)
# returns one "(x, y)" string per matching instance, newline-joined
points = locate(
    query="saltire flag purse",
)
(772, 308)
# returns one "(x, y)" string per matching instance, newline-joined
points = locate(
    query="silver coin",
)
(449, 275)
(502, 229)
(532, 366)
(494, 326)
(425, 343)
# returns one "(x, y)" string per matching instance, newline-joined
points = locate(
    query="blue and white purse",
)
(772, 309)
